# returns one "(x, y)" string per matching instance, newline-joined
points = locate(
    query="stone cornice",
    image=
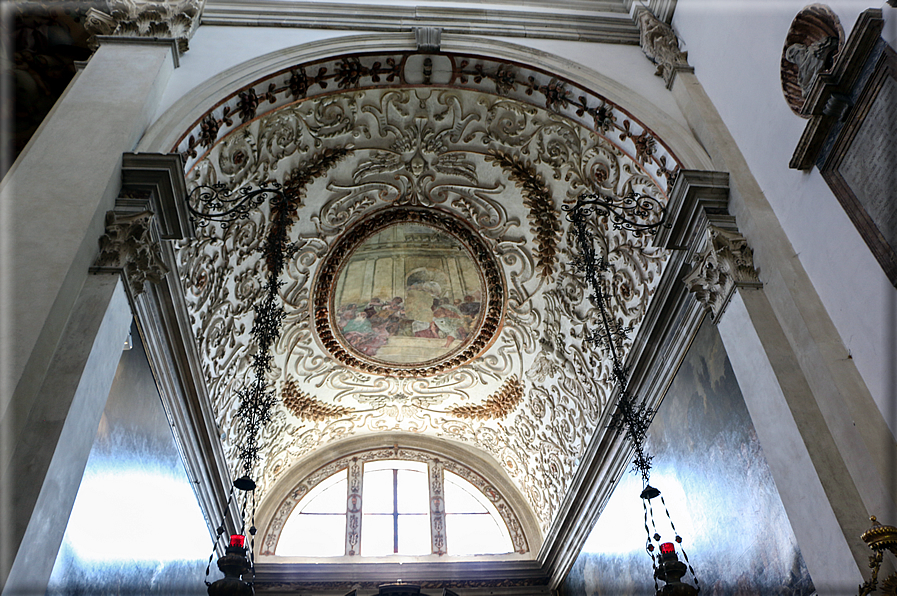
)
(607, 22)
(163, 176)
(701, 226)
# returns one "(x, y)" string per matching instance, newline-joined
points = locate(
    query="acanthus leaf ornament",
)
(661, 46)
(128, 244)
(727, 262)
(147, 18)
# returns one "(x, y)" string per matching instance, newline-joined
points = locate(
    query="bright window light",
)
(472, 524)
(140, 501)
(317, 526)
(395, 515)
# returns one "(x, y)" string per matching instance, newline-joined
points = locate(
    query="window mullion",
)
(438, 544)
(353, 507)
(395, 511)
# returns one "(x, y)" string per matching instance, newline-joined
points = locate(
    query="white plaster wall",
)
(735, 47)
(214, 49)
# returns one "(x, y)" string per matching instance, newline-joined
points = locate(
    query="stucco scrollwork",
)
(532, 394)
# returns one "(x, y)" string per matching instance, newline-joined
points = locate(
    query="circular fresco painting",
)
(408, 292)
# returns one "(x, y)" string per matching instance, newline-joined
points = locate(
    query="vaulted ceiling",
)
(422, 177)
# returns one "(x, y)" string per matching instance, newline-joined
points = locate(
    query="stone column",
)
(824, 467)
(54, 202)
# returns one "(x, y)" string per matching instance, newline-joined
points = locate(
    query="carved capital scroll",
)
(725, 264)
(175, 19)
(128, 245)
(661, 46)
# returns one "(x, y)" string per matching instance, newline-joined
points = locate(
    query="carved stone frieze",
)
(661, 46)
(175, 19)
(726, 263)
(128, 244)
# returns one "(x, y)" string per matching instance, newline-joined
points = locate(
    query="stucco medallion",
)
(813, 40)
(408, 292)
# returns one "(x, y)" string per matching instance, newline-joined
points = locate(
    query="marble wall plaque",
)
(862, 169)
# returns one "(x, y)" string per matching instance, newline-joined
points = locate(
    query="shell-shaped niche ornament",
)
(408, 292)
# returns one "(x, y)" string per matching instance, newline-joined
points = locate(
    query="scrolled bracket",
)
(635, 212)
(218, 203)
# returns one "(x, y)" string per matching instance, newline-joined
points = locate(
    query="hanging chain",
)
(628, 417)
(649, 546)
(219, 531)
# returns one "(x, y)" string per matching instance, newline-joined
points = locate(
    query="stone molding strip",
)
(606, 23)
(125, 40)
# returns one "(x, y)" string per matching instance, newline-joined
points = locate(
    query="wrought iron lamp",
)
(641, 215)
(218, 204)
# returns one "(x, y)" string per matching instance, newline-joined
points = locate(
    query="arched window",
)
(376, 507)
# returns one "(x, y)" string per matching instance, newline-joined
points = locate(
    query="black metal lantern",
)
(234, 565)
(639, 214)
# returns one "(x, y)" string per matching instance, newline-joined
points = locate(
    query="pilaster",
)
(55, 198)
(818, 457)
(54, 442)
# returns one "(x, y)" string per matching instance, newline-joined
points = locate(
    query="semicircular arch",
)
(187, 113)
(279, 502)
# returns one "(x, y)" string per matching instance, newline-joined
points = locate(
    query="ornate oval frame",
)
(811, 24)
(331, 268)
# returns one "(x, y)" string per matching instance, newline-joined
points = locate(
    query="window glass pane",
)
(395, 464)
(414, 535)
(376, 491)
(313, 535)
(414, 492)
(474, 534)
(328, 497)
(462, 497)
(376, 535)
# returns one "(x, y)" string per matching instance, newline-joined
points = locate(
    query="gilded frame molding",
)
(331, 268)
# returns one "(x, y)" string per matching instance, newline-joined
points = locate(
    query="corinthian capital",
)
(725, 264)
(175, 19)
(128, 245)
(661, 46)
